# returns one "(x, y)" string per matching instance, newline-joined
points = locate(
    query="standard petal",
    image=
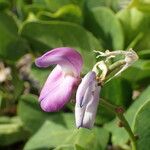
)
(69, 59)
(60, 95)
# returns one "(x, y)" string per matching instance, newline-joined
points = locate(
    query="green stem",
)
(113, 69)
(119, 111)
(128, 129)
(116, 65)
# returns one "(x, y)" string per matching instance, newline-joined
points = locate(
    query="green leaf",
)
(59, 125)
(68, 147)
(102, 137)
(139, 73)
(47, 35)
(119, 135)
(118, 86)
(4, 4)
(48, 136)
(106, 3)
(144, 54)
(54, 5)
(11, 131)
(142, 127)
(130, 20)
(143, 5)
(53, 135)
(96, 138)
(115, 92)
(135, 25)
(29, 104)
(98, 20)
(70, 13)
(11, 46)
(64, 9)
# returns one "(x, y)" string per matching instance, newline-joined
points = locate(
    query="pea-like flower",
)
(87, 100)
(64, 78)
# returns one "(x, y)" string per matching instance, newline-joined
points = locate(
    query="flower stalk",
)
(119, 111)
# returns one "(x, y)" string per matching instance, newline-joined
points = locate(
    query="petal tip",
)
(39, 63)
(47, 108)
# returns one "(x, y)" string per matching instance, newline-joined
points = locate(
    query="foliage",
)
(30, 28)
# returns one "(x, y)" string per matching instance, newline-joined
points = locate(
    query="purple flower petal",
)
(87, 99)
(81, 106)
(53, 80)
(69, 59)
(91, 109)
(62, 80)
(59, 94)
(86, 81)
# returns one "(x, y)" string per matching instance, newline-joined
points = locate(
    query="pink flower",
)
(87, 100)
(64, 78)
